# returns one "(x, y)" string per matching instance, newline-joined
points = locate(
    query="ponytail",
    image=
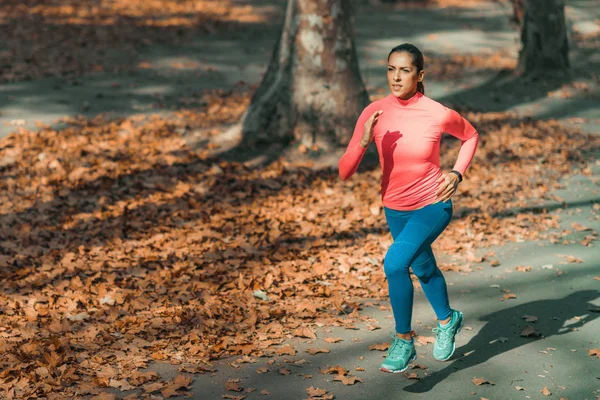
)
(420, 87)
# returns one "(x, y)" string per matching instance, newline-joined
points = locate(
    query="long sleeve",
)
(460, 128)
(351, 159)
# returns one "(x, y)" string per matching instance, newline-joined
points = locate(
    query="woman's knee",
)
(395, 261)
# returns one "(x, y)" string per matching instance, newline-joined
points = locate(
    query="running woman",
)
(406, 127)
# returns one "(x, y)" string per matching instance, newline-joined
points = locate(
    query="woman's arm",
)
(460, 128)
(358, 145)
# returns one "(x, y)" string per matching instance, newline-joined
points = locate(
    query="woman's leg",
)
(432, 281)
(419, 230)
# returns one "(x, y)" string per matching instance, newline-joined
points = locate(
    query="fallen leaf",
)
(508, 296)
(473, 258)
(529, 331)
(519, 388)
(333, 340)
(233, 387)
(411, 375)
(284, 371)
(522, 268)
(338, 370)
(121, 384)
(104, 396)
(233, 397)
(530, 318)
(579, 227)
(286, 350)
(318, 394)
(347, 380)
(594, 352)
(481, 381)
(424, 340)
(305, 332)
(314, 351)
(379, 346)
(174, 387)
(545, 391)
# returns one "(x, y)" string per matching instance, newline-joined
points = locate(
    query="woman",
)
(406, 127)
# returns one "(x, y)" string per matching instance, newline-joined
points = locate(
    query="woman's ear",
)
(421, 76)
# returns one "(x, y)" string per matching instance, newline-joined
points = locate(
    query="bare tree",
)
(312, 91)
(545, 47)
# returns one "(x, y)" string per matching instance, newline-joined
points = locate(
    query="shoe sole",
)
(397, 371)
(460, 326)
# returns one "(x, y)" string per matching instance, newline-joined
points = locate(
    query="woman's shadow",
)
(503, 331)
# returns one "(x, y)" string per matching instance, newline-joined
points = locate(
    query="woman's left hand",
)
(449, 183)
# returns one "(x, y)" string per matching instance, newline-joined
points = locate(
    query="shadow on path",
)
(555, 317)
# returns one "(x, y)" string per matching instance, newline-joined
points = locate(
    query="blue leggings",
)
(413, 232)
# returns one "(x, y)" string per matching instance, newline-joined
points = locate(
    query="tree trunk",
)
(312, 91)
(518, 11)
(545, 47)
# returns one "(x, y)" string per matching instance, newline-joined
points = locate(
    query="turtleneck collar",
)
(408, 103)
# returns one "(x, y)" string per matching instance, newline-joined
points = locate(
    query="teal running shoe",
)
(401, 353)
(444, 345)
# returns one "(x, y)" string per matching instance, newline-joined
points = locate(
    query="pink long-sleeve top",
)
(407, 136)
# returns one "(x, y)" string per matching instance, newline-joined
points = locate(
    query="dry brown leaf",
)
(233, 387)
(333, 340)
(233, 397)
(318, 394)
(286, 350)
(594, 352)
(284, 371)
(338, 370)
(473, 258)
(545, 391)
(425, 340)
(305, 332)
(104, 396)
(508, 296)
(481, 381)
(529, 331)
(154, 387)
(579, 227)
(347, 380)
(411, 375)
(530, 318)
(522, 268)
(379, 346)
(314, 351)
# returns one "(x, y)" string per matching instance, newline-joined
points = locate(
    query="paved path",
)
(561, 296)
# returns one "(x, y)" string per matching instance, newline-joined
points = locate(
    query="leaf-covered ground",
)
(121, 245)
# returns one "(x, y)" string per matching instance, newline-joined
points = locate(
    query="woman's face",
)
(402, 75)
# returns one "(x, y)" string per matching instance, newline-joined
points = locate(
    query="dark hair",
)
(417, 58)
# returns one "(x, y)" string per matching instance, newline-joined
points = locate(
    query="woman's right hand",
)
(368, 130)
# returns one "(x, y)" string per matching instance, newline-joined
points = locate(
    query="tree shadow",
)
(555, 317)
